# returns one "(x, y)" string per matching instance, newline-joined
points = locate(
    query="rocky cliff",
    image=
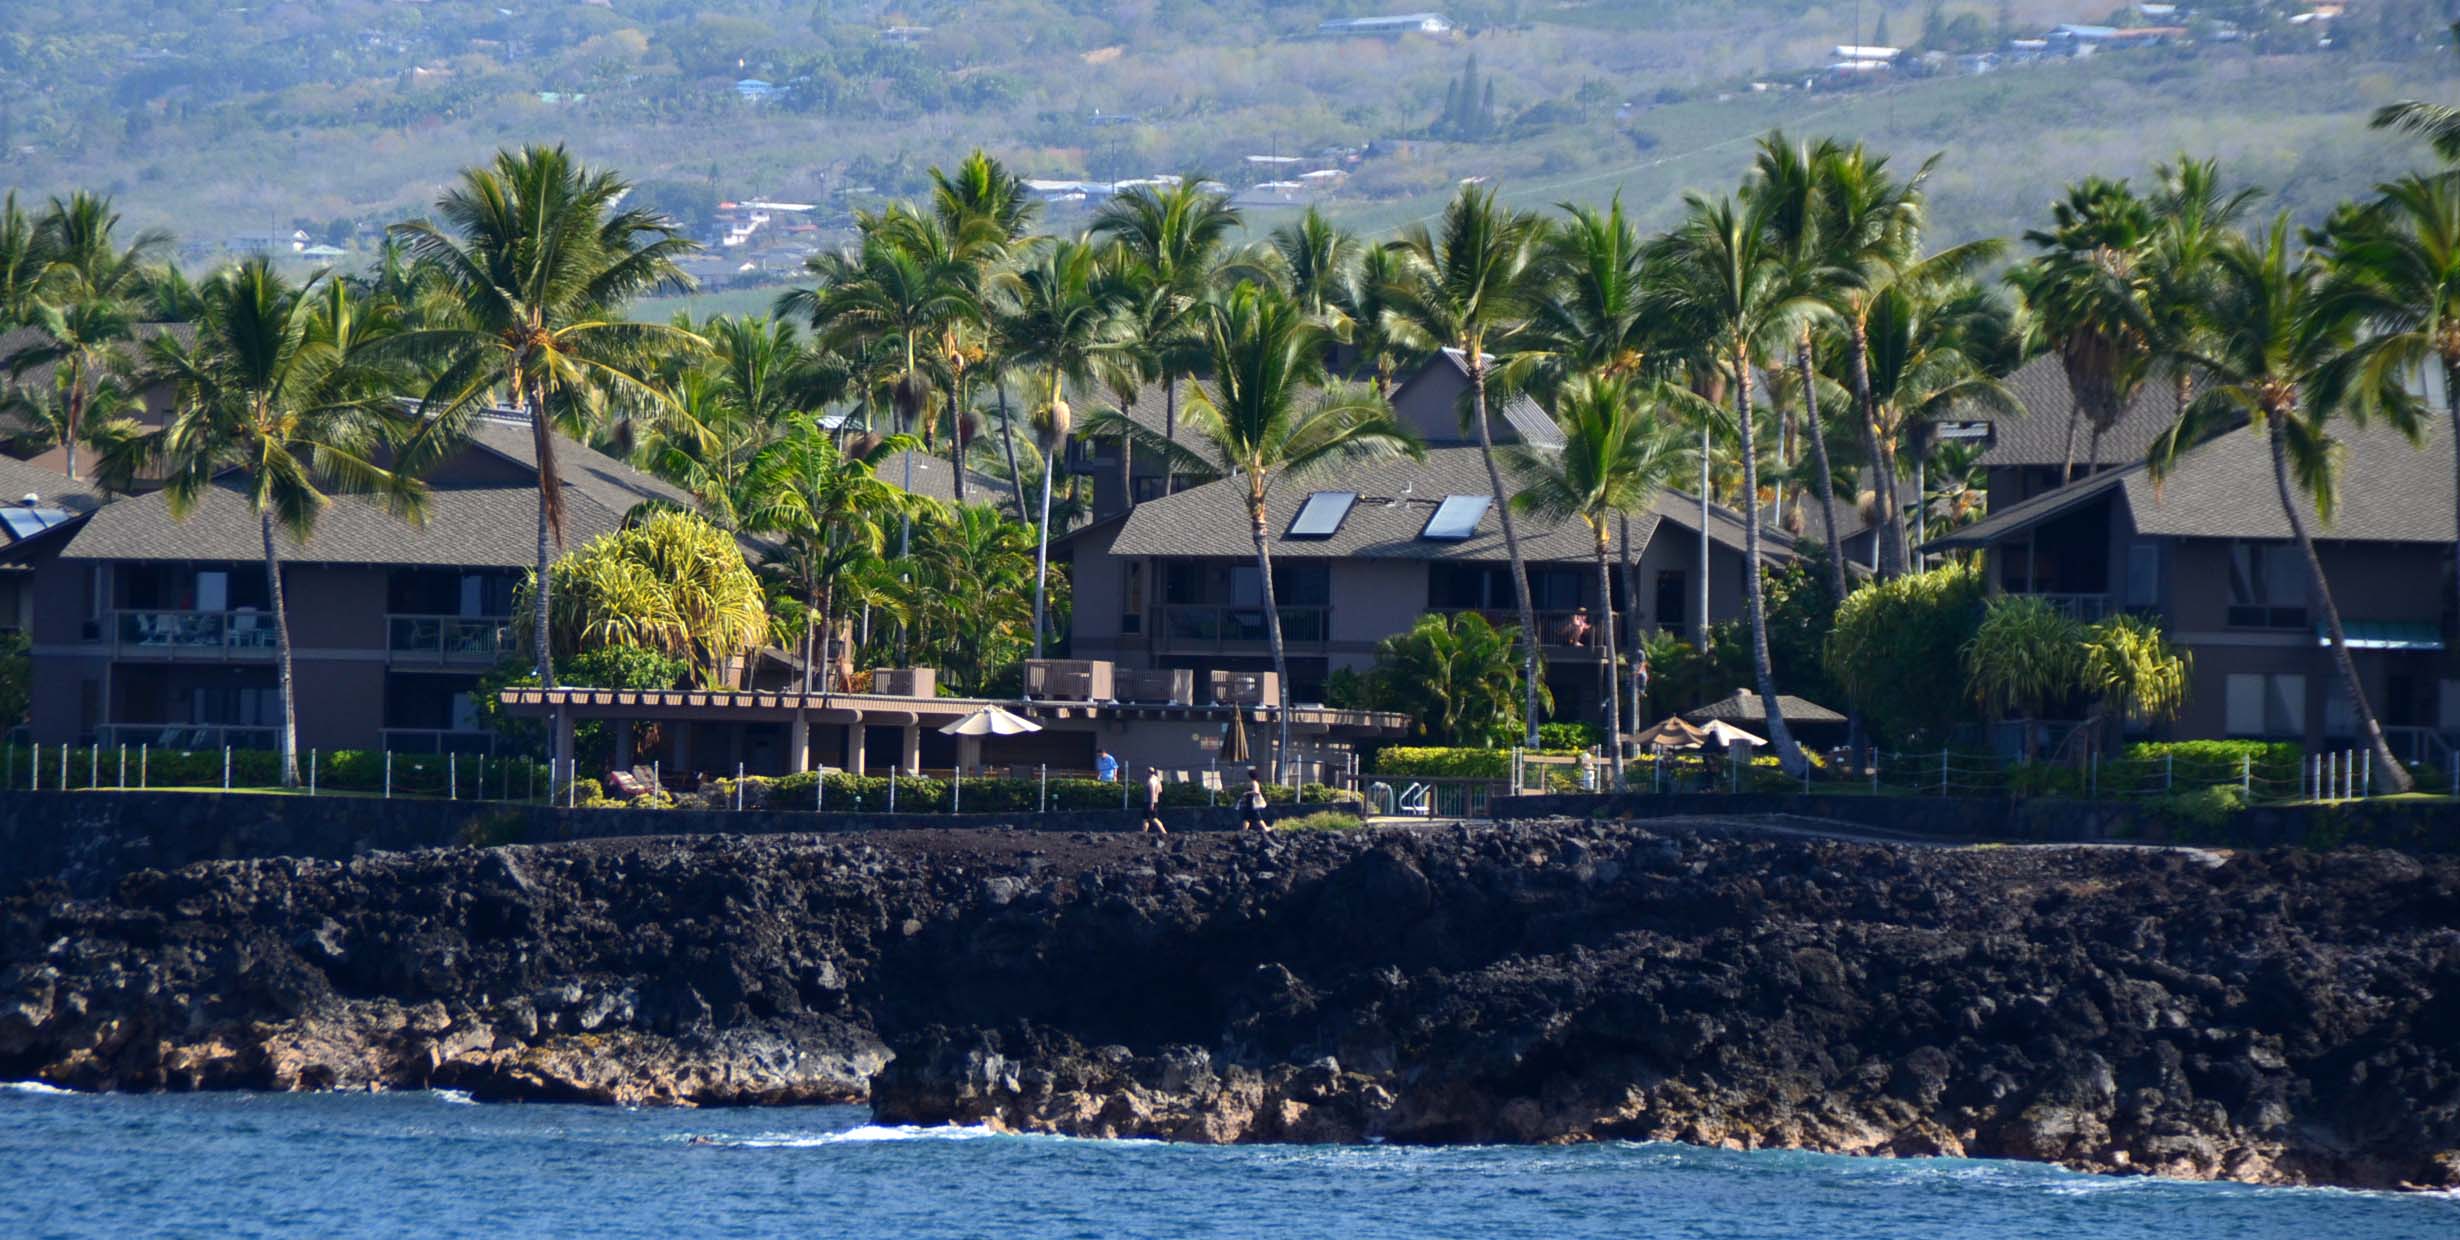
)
(2283, 1017)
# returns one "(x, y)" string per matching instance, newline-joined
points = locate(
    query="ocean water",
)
(433, 1164)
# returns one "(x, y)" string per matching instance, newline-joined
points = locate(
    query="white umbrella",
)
(1726, 734)
(991, 721)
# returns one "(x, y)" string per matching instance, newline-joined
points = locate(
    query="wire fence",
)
(346, 772)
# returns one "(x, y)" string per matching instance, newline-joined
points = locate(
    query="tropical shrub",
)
(1445, 763)
(1890, 652)
(1322, 820)
(672, 583)
(1454, 674)
(1569, 735)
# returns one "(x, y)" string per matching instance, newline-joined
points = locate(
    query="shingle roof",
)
(1521, 414)
(19, 479)
(467, 525)
(1744, 707)
(1395, 498)
(2391, 490)
(2040, 437)
(934, 478)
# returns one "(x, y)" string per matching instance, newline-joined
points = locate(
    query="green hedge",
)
(2150, 766)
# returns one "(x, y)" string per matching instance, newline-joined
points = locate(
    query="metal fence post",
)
(1124, 773)
(2367, 788)
(145, 750)
(738, 787)
(1046, 787)
(956, 791)
(452, 777)
(572, 783)
(388, 770)
(2246, 775)
(820, 791)
(226, 767)
(892, 792)
(2169, 771)
(311, 772)
(123, 783)
(64, 768)
(37, 785)
(93, 766)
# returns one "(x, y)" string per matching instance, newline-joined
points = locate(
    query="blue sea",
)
(433, 1164)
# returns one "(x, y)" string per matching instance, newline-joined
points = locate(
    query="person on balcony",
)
(1575, 631)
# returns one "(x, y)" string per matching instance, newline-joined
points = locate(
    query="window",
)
(1551, 589)
(1294, 585)
(2144, 575)
(2266, 705)
(2267, 586)
(1321, 516)
(1673, 595)
(1456, 518)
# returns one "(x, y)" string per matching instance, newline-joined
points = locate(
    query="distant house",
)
(271, 241)
(2207, 551)
(756, 89)
(2023, 456)
(148, 629)
(1396, 24)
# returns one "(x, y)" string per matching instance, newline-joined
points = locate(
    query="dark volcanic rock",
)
(2285, 1016)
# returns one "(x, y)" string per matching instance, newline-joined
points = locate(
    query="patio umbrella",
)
(1724, 734)
(1234, 750)
(1673, 733)
(991, 721)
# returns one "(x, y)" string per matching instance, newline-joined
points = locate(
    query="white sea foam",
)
(866, 1134)
(34, 1087)
(455, 1097)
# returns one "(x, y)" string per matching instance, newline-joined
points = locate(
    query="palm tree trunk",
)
(1529, 635)
(1605, 656)
(2451, 411)
(2395, 776)
(75, 424)
(1007, 441)
(1042, 540)
(1887, 545)
(1272, 627)
(956, 443)
(1699, 622)
(1825, 483)
(289, 745)
(1789, 755)
(1631, 596)
(550, 507)
(2067, 468)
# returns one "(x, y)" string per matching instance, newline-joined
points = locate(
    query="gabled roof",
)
(932, 477)
(1521, 415)
(468, 524)
(20, 339)
(1395, 498)
(52, 489)
(2391, 490)
(1743, 706)
(2040, 436)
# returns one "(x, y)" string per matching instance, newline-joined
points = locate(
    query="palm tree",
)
(77, 240)
(2091, 289)
(1789, 180)
(2192, 216)
(2438, 124)
(828, 505)
(1061, 322)
(84, 339)
(278, 395)
(730, 405)
(2283, 353)
(1455, 675)
(975, 566)
(1271, 415)
(1472, 287)
(21, 265)
(1383, 342)
(1177, 233)
(990, 210)
(1615, 457)
(1924, 367)
(1726, 273)
(2399, 266)
(1315, 258)
(539, 259)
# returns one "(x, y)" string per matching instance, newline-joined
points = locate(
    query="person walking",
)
(1153, 803)
(1251, 803)
(1105, 767)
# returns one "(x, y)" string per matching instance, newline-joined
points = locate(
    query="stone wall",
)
(89, 839)
(2409, 825)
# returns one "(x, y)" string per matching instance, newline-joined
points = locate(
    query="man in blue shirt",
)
(1105, 767)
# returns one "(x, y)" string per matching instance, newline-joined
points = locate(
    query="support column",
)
(798, 742)
(619, 754)
(910, 754)
(563, 744)
(854, 748)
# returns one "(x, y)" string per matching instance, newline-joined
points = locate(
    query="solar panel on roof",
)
(25, 523)
(1322, 514)
(1457, 517)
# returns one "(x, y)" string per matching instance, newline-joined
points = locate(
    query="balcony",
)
(1554, 625)
(1186, 626)
(208, 633)
(186, 737)
(449, 639)
(2082, 608)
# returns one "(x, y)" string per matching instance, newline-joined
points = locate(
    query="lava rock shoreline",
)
(2274, 1017)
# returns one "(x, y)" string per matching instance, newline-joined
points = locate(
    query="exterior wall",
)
(1430, 404)
(1372, 600)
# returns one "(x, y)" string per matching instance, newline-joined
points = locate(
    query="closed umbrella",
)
(1235, 749)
